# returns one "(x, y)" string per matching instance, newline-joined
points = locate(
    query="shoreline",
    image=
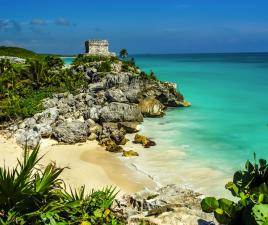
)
(87, 164)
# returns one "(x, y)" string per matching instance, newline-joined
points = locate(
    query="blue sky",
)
(141, 26)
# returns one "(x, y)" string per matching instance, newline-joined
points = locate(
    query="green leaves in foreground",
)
(251, 187)
(32, 196)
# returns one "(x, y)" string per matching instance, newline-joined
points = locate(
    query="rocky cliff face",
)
(108, 99)
(169, 205)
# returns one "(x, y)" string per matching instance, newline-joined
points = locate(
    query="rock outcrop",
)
(111, 105)
(169, 205)
(146, 142)
(71, 132)
(151, 107)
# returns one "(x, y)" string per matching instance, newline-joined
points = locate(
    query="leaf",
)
(233, 188)
(98, 213)
(209, 204)
(219, 211)
(260, 213)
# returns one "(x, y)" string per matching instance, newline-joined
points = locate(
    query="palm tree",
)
(123, 53)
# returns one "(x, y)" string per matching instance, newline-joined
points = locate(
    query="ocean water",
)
(67, 60)
(200, 147)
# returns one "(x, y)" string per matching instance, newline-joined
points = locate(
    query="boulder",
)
(92, 137)
(151, 107)
(30, 138)
(96, 129)
(111, 146)
(111, 130)
(185, 104)
(71, 132)
(130, 153)
(27, 123)
(146, 142)
(120, 112)
(48, 116)
(164, 206)
(116, 95)
(43, 129)
(129, 127)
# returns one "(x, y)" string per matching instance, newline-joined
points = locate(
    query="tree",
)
(123, 53)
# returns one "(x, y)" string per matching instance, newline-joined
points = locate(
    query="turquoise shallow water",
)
(229, 115)
(203, 145)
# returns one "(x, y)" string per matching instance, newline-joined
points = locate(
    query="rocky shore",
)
(110, 106)
(169, 205)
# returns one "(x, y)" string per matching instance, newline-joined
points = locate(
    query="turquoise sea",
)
(201, 146)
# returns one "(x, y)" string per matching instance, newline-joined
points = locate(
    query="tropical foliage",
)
(29, 195)
(251, 187)
(22, 87)
(123, 53)
(82, 59)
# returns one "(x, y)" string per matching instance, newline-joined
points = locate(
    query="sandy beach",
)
(86, 164)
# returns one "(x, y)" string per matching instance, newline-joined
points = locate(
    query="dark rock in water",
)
(130, 153)
(120, 112)
(151, 107)
(111, 146)
(164, 206)
(112, 131)
(71, 132)
(146, 142)
(129, 127)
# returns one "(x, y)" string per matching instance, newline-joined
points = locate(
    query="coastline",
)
(162, 159)
(86, 164)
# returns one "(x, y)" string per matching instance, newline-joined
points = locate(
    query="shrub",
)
(22, 88)
(105, 67)
(54, 62)
(251, 187)
(32, 196)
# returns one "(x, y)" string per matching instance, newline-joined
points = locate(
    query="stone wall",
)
(97, 47)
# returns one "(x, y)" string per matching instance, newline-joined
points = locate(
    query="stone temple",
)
(98, 47)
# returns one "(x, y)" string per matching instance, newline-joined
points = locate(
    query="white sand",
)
(88, 164)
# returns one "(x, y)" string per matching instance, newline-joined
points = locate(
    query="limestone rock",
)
(111, 146)
(43, 129)
(92, 137)
(151, 107)
(71, 132)
(130, 153)
(27, 137)
(169, 205)
(48, 116)
(116, 95)
(146, 142)
(129, 127)
(120, 112)
(185, 104)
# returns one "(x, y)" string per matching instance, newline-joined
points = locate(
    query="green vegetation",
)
(22, 87)
(251, 187)
(105, 67)
(123, 53)
(82, 59)
(150, 76)
(32, 196)
(17, 52)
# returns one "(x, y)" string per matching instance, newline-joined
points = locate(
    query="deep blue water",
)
(203, 145)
